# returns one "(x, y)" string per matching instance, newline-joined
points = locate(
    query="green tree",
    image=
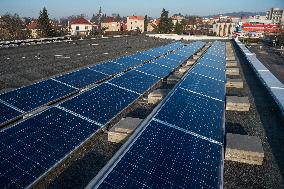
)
(178, 28)
(145, 22)
(46, 29)
(166, 24)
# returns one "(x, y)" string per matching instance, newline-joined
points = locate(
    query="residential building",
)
(258, 20)
(111, 24)
(81, 27)
(134, 22)
(276, 15)
(177, 18)
(224, 29)
(34, 28)
(152, 25)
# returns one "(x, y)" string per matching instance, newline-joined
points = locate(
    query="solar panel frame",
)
(127, 80)
(9, 97)
(184, 106)
(145, 152)
(110, 68)
(41, 167)
(155, 70)
(204, 86)
(82, 78)
(8, 113)
(88, 103)
(128, 60)
(209, 71)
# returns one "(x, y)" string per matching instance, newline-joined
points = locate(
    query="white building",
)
(224, 29)
(81, 27)
(134, 22)
(276, 15)
(259, 20)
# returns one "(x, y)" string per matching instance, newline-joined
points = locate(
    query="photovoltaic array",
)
(181, 146)
(16, 103)
(34, 146)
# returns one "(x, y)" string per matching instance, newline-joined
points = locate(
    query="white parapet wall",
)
(187, 37)
(273, 85)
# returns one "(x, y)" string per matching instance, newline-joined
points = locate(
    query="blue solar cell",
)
(135, 81)
(208, 71)
(128, 61)
(194, 113)
(215, 64)
(33, 146)
(214, 58)
(109, 68)
(167, 62)
(155, 70)
(176, 57)
(82, 78)
(204, 86)
(102, 103)
(7, 113)
(164, 157)
(142, 56)
(36, 95)
(153, 52)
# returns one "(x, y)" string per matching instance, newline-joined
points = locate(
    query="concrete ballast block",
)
(232, 64)
(244, 149)
(157, 95)
(122, 129)
(235, 103)
(232, 71)
(235, 83)
(190, 62)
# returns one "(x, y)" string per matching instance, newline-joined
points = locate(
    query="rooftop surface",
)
(25, 65)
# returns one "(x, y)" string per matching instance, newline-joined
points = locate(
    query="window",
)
(86, 27)
(77, 28)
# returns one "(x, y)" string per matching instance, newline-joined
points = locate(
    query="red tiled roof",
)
(33, 25)
(80, 21)
(136, 17)
(109, 19)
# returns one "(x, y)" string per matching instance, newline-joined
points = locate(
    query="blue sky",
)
(61, 8)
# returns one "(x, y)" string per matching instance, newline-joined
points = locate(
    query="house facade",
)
(34, 28)
(80, 27)
(134, 22)
(111, 24)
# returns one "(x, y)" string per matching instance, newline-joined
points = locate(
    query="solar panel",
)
(194, 113)
(212, 63)
(155, 70)
(214, 58)
(7, 113)
(180, 147)
(135, 81)
(176, 57)
(36, 95)
(30, 148)
(128, 61)
(164, 157)
(82, 78)
(101, 103)
(167, 62)
(109, 68)
(142, 56)
(209, 71)
(204, 86)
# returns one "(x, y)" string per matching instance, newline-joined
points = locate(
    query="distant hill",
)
(239, 14)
